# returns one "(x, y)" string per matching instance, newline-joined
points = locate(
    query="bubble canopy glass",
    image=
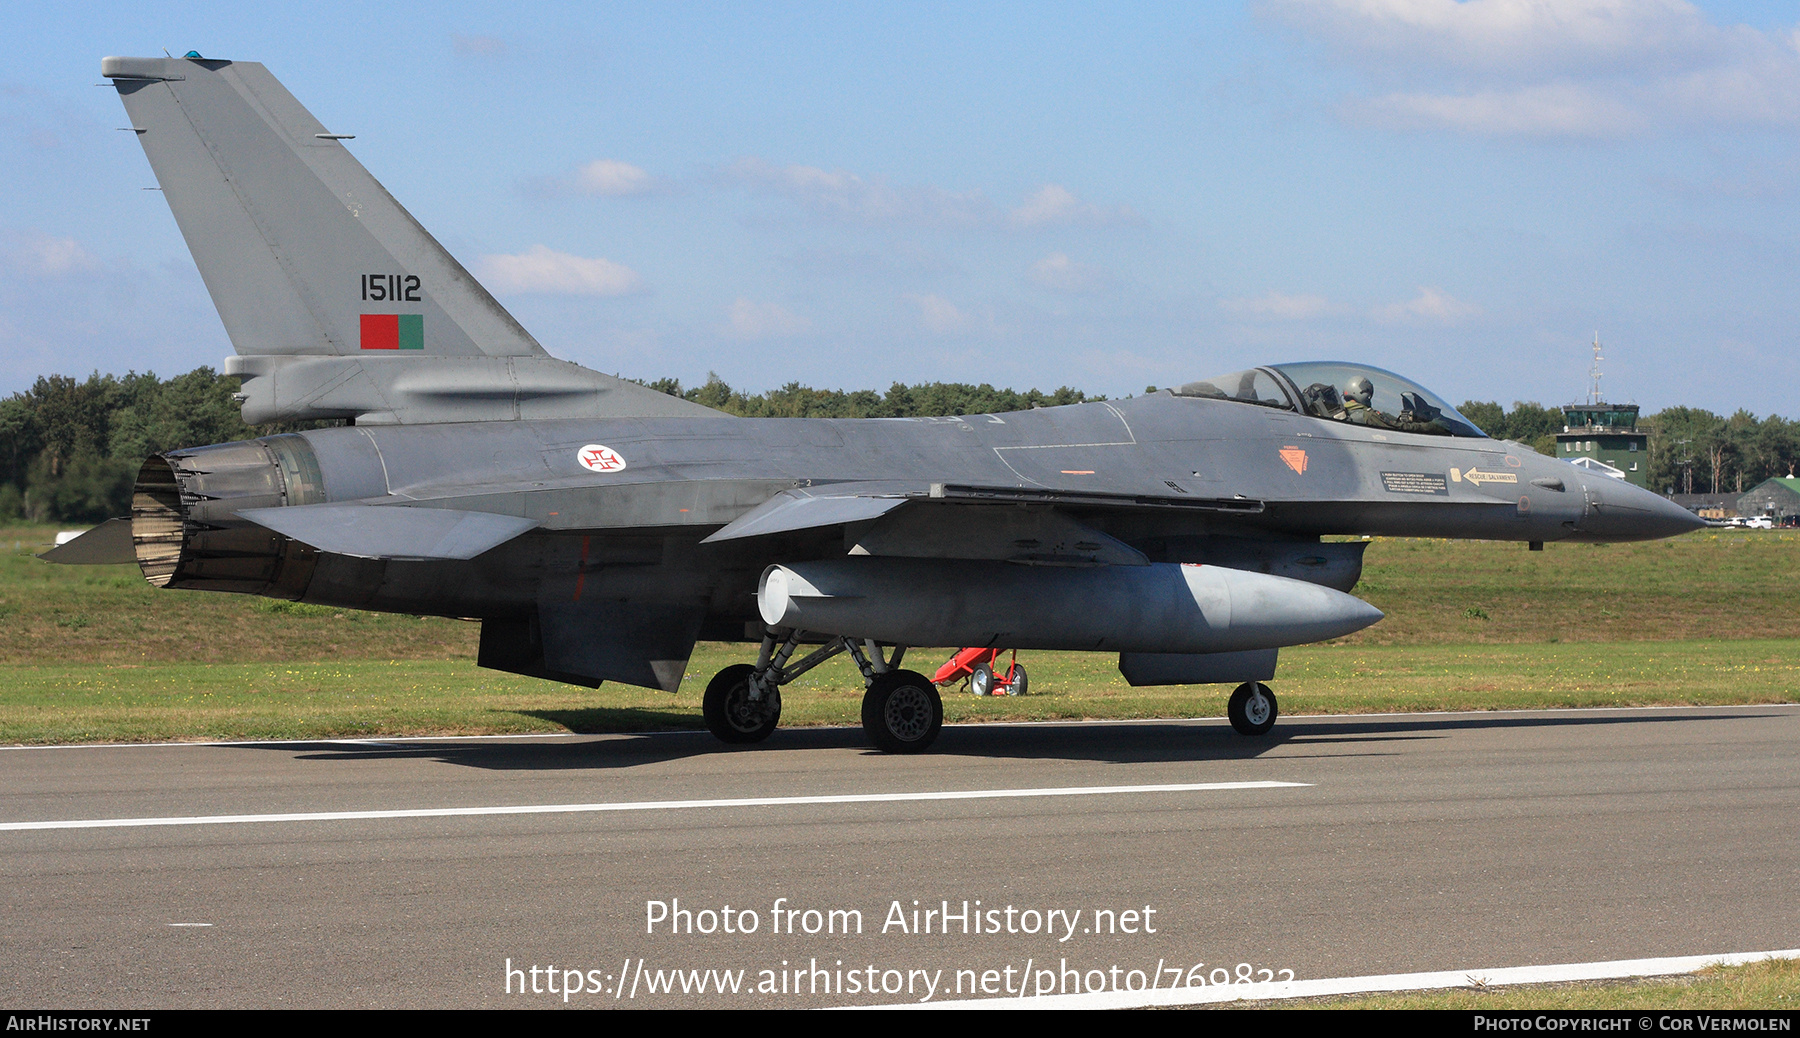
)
(1317, 388)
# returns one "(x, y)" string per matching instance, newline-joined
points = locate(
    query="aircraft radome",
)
(598, 528)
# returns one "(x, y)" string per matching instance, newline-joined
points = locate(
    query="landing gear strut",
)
(901, 710)
(1252, 709)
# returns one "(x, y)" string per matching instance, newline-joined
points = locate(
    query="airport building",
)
(1708, 506)
(1777, 498)
(1605, 437)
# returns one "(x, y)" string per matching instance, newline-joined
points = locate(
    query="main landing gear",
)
(901, 709)
(1252, 709)
(734, 712)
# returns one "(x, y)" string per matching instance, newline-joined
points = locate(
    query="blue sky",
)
(1031, 195)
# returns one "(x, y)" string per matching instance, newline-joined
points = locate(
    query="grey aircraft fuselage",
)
(1166, 475)
(597, 528)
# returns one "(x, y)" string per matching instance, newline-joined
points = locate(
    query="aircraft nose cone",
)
(1618, 511)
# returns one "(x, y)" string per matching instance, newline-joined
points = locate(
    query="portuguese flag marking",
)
(393, 331)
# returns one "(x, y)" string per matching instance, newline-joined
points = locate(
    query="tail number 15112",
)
(400, 288)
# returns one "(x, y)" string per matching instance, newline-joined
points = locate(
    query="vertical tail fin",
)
(296, 241)
(307, 257)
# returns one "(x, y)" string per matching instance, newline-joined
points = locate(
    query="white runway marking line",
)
(1621, 969)
(647, 805)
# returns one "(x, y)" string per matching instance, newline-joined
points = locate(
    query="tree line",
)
(925, 400)
(70, 449)
(1691, 450)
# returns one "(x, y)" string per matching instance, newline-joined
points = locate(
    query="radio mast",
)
(1594, 373)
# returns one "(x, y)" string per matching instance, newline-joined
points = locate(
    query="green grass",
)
(93, 654)
(96, 654)
(1710, 584)
(133, 702)
(109, 614)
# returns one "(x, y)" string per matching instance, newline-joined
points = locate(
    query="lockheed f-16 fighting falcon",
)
(598, 528)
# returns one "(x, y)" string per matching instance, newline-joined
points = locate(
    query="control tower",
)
(1604, 437)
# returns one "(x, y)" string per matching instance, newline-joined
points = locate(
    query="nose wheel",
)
(1252, 709)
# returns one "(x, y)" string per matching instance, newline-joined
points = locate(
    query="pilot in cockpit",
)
(1337, 392)
(1419, 416)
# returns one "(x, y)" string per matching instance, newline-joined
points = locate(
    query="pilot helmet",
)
(1359, 390)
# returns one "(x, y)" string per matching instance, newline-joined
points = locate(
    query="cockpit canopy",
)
(1327, 389)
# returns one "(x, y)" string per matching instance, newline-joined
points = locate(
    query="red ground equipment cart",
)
(977, 665)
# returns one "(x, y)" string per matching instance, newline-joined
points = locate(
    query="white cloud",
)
(545, 270)
(844, 195)
(1431, 305)
(940, 315)
(1538, 36)
(37, 254)
(605, 177)
(1055, 204)
(1058, 273)
(751, 320)
(612, 177)
(1568, 68)
(1557, 109)
(1274, 305)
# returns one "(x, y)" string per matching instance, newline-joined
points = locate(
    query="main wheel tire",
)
(1252, 708)
(1017, 688)
(731, 714)
(902, 712)
(981, 680)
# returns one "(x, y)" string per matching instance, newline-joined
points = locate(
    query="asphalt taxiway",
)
(412, 872)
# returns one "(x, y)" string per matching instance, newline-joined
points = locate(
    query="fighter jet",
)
(597, 528)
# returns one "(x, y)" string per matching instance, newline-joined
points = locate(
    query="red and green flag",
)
(393, 331)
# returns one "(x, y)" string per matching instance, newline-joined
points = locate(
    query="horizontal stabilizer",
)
(391, 531)
(108, 544)
(793, 510)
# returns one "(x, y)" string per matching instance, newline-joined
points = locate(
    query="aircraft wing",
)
(810, 508)
(936, 522)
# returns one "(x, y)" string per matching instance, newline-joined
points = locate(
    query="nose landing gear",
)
(1252, 709)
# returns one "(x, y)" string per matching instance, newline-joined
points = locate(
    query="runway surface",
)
(1334, 847)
